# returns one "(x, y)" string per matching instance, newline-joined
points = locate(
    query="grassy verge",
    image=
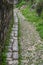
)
(19, 46)
(32, 17)
(7, 42)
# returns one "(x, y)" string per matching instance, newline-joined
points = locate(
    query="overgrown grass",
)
(7, 42)
(20, 4)
(31, 16)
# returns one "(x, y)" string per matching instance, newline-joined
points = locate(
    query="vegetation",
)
(39, 7)
(34, 15)
(20, 4)
(7, 42)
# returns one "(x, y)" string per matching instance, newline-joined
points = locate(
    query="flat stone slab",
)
(10, 63)
(15, 38)
(16, 19)
(15, 34)
(15, 41)
(15, 45)
(15, 26)
(15, 55)
(10, 49)
(11, 40)
(12, 34)
(14, 29)
(9, 59)
(9, 54)
(15, 62)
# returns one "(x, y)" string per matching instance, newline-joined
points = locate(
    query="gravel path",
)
(31, 45)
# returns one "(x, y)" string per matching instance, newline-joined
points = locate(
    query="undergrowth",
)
(7, 42)
(31, 16)
(20, 4)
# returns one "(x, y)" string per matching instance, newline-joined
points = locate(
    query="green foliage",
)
(42, 13)
(32, 1)
(39, 7)
(31, 16)
(20, 4)
(19, 1)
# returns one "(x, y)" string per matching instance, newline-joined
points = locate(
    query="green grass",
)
(32, 17)
(20, 4)
(7, 42)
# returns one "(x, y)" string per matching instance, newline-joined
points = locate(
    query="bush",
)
(19, 1)
(20, 4)
(42, 14)
(39, 8)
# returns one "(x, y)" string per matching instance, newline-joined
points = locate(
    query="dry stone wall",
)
(5, 17)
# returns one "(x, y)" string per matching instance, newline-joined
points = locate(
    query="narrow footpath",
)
(31, 44)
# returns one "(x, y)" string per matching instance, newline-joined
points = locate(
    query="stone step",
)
(9, 59)
(13, 62)
(15, 29)
(15, 45)
(15, 55)
(9, 54)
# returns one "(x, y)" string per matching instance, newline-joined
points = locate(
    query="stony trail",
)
(30, 42)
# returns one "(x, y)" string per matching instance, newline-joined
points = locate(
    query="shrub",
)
(39, 8)
(20, 4)
(42, 14)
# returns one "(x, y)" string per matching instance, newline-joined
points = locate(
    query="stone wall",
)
(5, 17)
